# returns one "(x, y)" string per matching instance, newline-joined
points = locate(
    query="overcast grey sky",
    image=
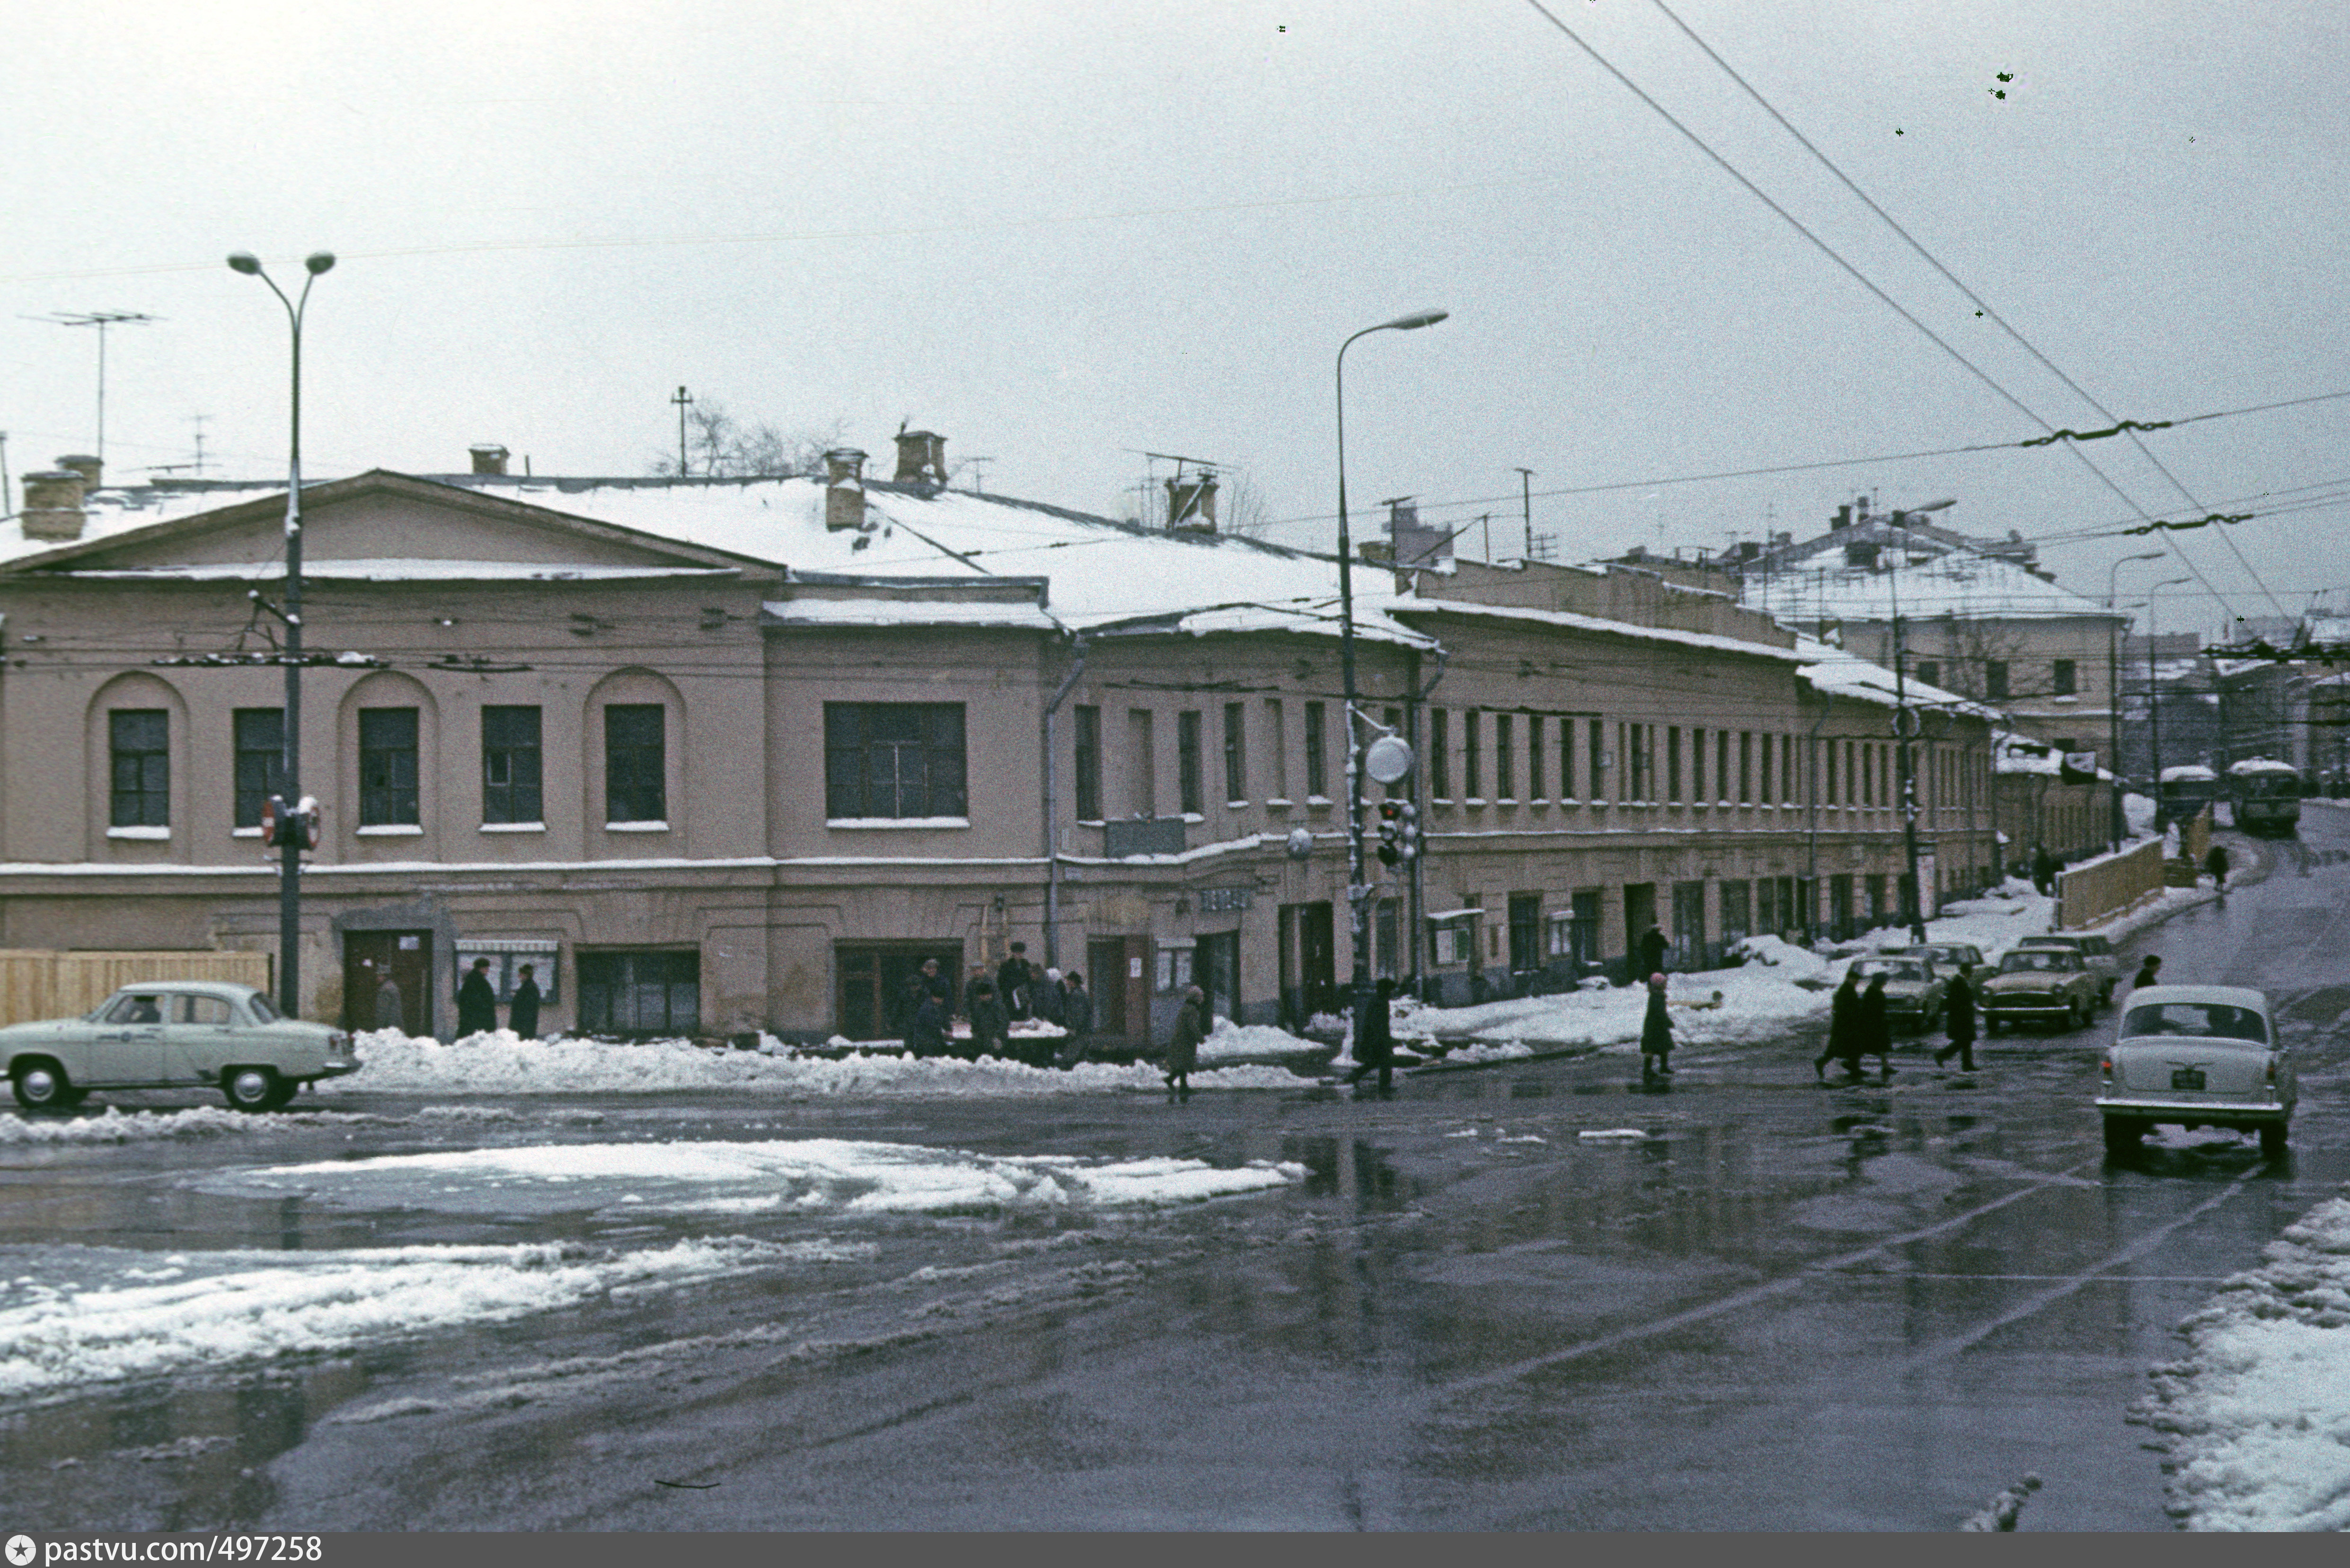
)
(1058, 231)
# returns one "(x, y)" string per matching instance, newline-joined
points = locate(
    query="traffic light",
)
(1408, 830)
(1390, 831)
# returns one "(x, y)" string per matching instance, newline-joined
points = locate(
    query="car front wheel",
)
(42, 1085)
(252, 1089)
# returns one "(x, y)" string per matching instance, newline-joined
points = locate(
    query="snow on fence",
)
(36, 983)
(2095, 891)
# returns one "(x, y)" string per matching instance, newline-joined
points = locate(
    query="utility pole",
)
(1526, 502)
(1904, 725)
(198, 421)
(1488, 520)
(102, 319)
(683, 399)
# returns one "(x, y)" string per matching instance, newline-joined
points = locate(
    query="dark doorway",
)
(1689, 926)
(1309, 961)
(1216, 970)
(876, 981)
(1116, 975)
(1525, 939)
(407, 958)
(1639, 914)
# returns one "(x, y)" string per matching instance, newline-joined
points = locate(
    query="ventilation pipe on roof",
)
(922, 458)
(843, 488)
(52, 508)
(488, 458)
(88, 467)
(1843, 519)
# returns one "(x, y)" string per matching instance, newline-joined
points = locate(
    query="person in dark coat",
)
(1875, 1028)
(991, 1023)
(2216, 863)
(1655, 1034)
(2044, 868)
(1077, 1017)
(926, 1026)
(1958, 1018)
(2148, 972)
(1650, 952)
(1844, 1030)
(938, 984)
(1375, 1048)
(1016, 981)
(1183, 1047)
(1044, 1002)
(523, 1016)
(477, 1001)
(390, 1010)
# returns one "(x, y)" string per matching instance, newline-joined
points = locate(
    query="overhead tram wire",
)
(1859, 277)
(1973, 298)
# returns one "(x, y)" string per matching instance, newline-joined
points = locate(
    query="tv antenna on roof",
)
(102, 319)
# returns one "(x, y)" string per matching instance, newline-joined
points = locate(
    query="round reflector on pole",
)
(1388, 760)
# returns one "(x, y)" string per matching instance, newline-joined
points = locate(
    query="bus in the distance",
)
(2266, 795)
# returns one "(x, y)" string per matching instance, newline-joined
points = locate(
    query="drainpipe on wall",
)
(1811, 768)
(1051, 809)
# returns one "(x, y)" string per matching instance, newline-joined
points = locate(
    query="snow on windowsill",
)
(391, 830)
(1472, 800)
(1193, 816)
(636, 827)
(515, 826)
(868, 823)
(162, 834)
(1323, 800)
(244, 833)
(1281, 801)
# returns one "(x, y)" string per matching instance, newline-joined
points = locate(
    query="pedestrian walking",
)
(1958, 1018)
(2044, 868)
(477, 1001)
(1656, 1036)
(1077, 1017)
(522, 1017)
(2216, 863)
(1844, 1030)
(1651, 950)
(1183, 1048)
(1015, 981)
(1375, 1047)
(991, 1023)
(926, 1023)
(1875, 1028)
(390, 1008)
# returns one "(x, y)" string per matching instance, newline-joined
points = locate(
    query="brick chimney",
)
(843, 488)
(922, 458)
(488, 458)
(52, 508)
(1191, 504)
(88, 467)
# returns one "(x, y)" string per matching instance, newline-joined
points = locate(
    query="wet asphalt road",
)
(1790, 1306)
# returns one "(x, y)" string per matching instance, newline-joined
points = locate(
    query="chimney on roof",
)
(1414, 543)
(922, 458)
(1747, 550)
(1861, 555)
(489, 458)
(843, 488)
(52, 509)
(88, 467)
(1191, 504)
(1843, 519)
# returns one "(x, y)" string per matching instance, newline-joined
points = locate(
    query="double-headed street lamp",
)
(2154, 694)
(291, 826)
(2119, 824)
(1358, 891)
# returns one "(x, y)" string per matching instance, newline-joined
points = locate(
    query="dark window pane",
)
(260, 745)
(387, 767)
(140, 740)
(636, 763)
(511, 759)
(884, 760)
(1089, 760)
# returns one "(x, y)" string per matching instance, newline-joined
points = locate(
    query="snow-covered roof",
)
(111, 512)
(908, 612)
(1833, 672)
(2190, 773)
(1959, 583)
(398, 570)
(2260, 765)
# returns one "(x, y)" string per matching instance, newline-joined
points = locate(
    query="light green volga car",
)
(168, 1034)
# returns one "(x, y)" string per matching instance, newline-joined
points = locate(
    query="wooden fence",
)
(2095, 891)
(36, 984)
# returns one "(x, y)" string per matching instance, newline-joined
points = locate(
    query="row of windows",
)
(635, 764)
(1190, 781)
(2064, 677)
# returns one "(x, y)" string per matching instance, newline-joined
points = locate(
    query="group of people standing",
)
(477, 1000)
(1018, 991)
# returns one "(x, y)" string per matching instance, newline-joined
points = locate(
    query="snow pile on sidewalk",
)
(1758, 1001)
(114, 1126)
(2257, 1417)
(793, 1176)
(73, 1317)
(1231, 1042)
(502, 1063)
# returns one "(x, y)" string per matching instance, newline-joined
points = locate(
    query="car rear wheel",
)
(252, 1088)
(41, 1085)
(2274, 1140)
(2122, 1133)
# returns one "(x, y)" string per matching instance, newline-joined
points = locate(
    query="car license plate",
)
(2187, 1078)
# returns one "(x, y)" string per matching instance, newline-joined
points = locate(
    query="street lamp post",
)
(293, 833)
(2153, 696)
(1357, 892)
(2119, 824)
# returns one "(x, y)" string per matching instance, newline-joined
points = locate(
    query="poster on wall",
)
(507, 955)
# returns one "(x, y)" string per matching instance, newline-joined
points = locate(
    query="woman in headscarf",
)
(1656, 1035)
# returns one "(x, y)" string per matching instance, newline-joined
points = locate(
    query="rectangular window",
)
(1995, 679)
(1673, 763)
(259, 737)
(1567, 759)
(1721, 766)
(1788, 791)
(1236, 750)
(1827, 781)
(1851, 772)
(655, 993)
(1473, 758)
(881, 760)
(2064, 681)
(1142, 764)
(1277, 747)
(1089, 760)
(1697, 766)
(635, 765)
(1505, 770)
(1440, 753)
(510, 765)
(140, 742)
(1638, 744)
(1595, 742)
(1187, 762)
(387, 769)
(1746, 766)
(1317, 758)
(1534, 756)
(1930, 671)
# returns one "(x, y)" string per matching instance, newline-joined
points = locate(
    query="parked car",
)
(1914, 988)
(1946, 957)
(170, 1034)
(2043, 985)
(2097, 952)
(2194, 1056)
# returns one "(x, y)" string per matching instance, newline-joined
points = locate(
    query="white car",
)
(2194, 1056)
(2096, 952)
